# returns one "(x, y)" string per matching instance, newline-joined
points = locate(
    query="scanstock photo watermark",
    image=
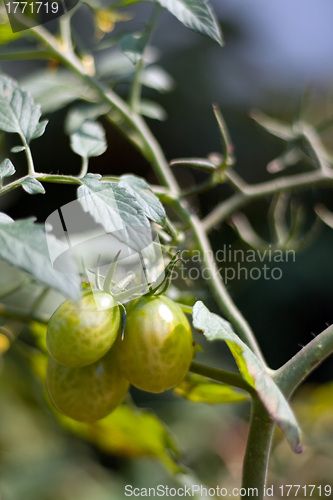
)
(236, 264)
(24, 15)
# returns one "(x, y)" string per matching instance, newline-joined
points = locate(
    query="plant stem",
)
(222, 376)
(30, 161)
(219, 290)
(257, 451)
(13, 55)
(135, 94)
(261, 190)
(290, 375)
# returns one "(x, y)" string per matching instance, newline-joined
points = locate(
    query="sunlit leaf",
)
(196, 15)
(32, 186)
(202, 390)
(6, 169)
(252, 369)
(18, 112)
(81, 112)
(143, 194)
(117, 210)
(89, 140)
(23, 244)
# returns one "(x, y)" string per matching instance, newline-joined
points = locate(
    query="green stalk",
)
(229, 378)
(257, 451)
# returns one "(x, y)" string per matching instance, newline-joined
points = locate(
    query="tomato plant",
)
(80, 333)
(156, 350)
(123, 235)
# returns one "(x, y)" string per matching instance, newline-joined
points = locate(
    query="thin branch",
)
(256, 191)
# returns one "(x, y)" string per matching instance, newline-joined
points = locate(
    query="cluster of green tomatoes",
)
(92, 362)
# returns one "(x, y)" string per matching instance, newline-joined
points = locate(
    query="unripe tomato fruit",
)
(157, 349)
(89, 393)
(79, 334)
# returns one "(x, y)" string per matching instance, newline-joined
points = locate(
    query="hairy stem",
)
(290, 375)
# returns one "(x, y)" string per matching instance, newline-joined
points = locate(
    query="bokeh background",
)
(277, 58)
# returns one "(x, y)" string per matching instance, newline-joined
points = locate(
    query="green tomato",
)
(157, 349)
(89, 393)
(79, 334)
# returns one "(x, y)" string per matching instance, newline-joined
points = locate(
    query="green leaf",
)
(17, 149)
(157, 78)
(6, 169)
(18, 112)
(152, 110)
(199, 389)
(81, 112)
(133, 46)
(149, 203)
(40, 129)
(54, 90)
(5, 219)
(32, 186)
(23, 244)
(116, 209)
(131, 433)
(253, 371)
(89, 140)
(6, 32)
(196, 15)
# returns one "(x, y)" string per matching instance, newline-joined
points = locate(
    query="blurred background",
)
(276, 58)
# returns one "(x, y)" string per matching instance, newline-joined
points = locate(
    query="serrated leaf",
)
(117, 210)
(196, 15)
(133, 46)
(253, 371)
(40, 129)
(89, 140)
(199, 389)
(17, 149)
(6, 169)
(18, 112)
(23, 244)
(149, 203)
(32, 186)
